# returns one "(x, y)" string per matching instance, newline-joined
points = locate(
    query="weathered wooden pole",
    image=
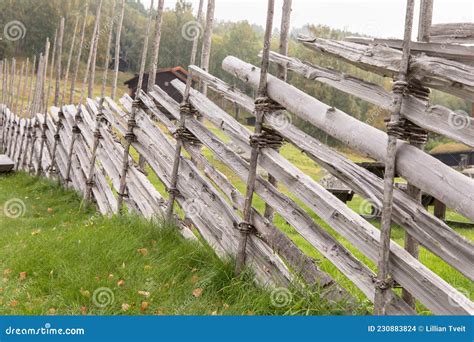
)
(395, 131)
(79, 55)
(25, 85)
(91, 53)
(30, 85)
(59, 52)
(44, 126)
(269, 212)
(23, 134)
(51, 67)
(69, 58)
(107, 54)
(21, 76)
(2, 114)
(156, 45)
(12, 94)
(90, 92)
(185, 110)
(130, 136)
(99, 117)
(207, 41)
(117, 50)
(262, 105)
(426, 20)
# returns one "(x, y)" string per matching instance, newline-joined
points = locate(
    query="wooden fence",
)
(83, 146)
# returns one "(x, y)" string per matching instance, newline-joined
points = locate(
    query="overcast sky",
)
(380, 18)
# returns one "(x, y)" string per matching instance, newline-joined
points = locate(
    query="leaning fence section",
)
(99, 148)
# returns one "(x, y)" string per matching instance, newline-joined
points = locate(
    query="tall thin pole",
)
(131, 122)
(59, 52)
(25, 85)
(91, 52)
(207, 41)
(44, 126)
(259, 113)
(21, 75)
(107, 53)
(383, 277)
(79, 54)
(185, 111)
(53, 56)
(90, 91)
(117, 50)
(156, 45)
(69, 58)
(282, 74)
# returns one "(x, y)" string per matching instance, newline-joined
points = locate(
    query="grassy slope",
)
(68, 253)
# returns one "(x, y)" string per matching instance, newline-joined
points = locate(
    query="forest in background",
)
(241, 39)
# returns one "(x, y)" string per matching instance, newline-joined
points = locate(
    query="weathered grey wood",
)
(356, 271)
(131, 122)
(435, 234)
(216, 220)
(384, 277)
(69, 58)
(59, 51)
(280, 243)
(455, 52)
(79, 54)
(107, 52)
(425, 19)
(434, 118)
(417, 167)
(94, 47)
(207, 40)
(438, 73)
(452, 32)
(117, 49)
(406, 270)
(156, 44)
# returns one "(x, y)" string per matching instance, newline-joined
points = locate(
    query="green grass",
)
(56, 255)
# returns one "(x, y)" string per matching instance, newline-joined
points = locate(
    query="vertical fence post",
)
(99, 117)
(21, 77)
(10, 101)
(59, 51)
(34, 109)
(53, 56)
(90, 92)
(44, 109)
(269, 212)
(261, 106)
(69, 58)
(117, 50)
(79, 54)
(6, 127)
(2, 114)
(207, 41)
(28, 109)
(185, 110)
(156, 45)
(395, 130)
(130, 136)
